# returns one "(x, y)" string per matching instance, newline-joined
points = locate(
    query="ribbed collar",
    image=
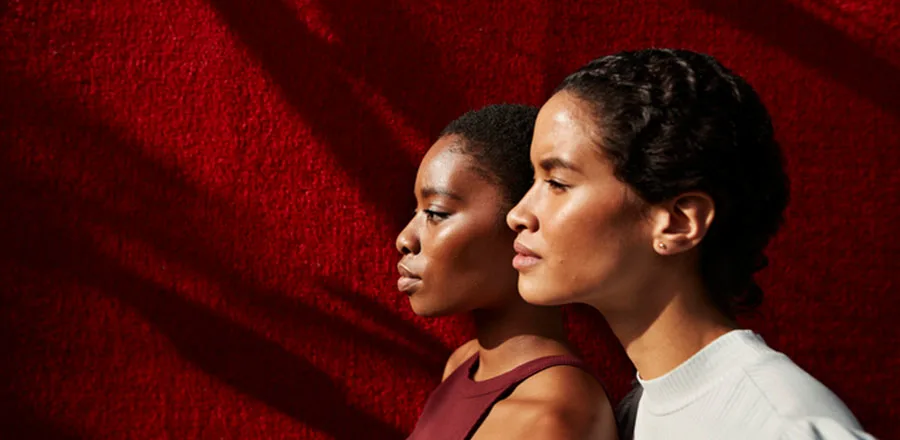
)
(726, 355)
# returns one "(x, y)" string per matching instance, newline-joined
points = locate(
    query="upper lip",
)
(524, 250)
(405, 271)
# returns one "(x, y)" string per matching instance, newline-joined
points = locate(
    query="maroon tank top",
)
(459, 404)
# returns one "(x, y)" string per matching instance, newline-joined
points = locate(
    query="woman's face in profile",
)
(581, 235)
(457, 251)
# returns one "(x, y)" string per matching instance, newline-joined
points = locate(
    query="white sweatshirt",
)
(739, 388)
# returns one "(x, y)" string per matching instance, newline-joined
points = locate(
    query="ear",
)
(681, 223)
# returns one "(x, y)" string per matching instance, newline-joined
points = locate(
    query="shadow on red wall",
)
(786, 26)
(317, 76)
(44, 231)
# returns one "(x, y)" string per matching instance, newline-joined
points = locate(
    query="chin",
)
(540, 293)
(426, 313)
(425, 310)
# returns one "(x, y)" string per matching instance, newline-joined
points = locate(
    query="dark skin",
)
(457, 255)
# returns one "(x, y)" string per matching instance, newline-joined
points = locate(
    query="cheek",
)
(482, 250)
(479, 252)
(588, 234)
(458, 252)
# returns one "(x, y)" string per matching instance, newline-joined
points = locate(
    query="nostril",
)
(518, 226)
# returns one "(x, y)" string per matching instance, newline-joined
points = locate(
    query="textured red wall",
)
(198, 199)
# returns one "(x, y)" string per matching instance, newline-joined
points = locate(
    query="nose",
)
(408, 240)
(520, 218)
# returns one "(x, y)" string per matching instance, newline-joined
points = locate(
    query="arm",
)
(821, 428)
(574, 425)
(568, 403)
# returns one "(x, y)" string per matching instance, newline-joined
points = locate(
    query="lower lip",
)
(522, 262)
(408, 285)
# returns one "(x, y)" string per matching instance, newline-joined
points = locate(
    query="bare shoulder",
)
(559, 402)
(565, 385)
(460, 355)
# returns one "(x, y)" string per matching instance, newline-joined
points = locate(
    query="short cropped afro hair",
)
(498, 138)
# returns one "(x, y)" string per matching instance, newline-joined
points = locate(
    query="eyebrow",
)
(431, 191)
(552, 163)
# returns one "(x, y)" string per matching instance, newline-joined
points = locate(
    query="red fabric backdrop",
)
(198, 199)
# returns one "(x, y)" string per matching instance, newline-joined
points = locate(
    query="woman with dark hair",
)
(518, 378)
(658, 184)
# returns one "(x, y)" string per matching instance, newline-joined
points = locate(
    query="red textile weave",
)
(198, 199)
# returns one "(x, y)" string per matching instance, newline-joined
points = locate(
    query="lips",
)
(525, 257)
(409, 281)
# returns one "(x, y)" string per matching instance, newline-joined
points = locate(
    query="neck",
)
(517, 333)
(674, 320)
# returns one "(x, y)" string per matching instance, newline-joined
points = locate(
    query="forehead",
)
(565, 128)
(445, 166)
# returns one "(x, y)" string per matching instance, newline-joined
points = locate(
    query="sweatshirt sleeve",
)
(822, 428)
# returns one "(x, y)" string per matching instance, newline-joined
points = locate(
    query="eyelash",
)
(433, 216)
(556, 186)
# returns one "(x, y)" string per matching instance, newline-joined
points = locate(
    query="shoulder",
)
(794, 393)
(563, 402)
(821, 428)
(460, 355)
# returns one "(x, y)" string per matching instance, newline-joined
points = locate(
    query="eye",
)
(555, 185)
(435, 216)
